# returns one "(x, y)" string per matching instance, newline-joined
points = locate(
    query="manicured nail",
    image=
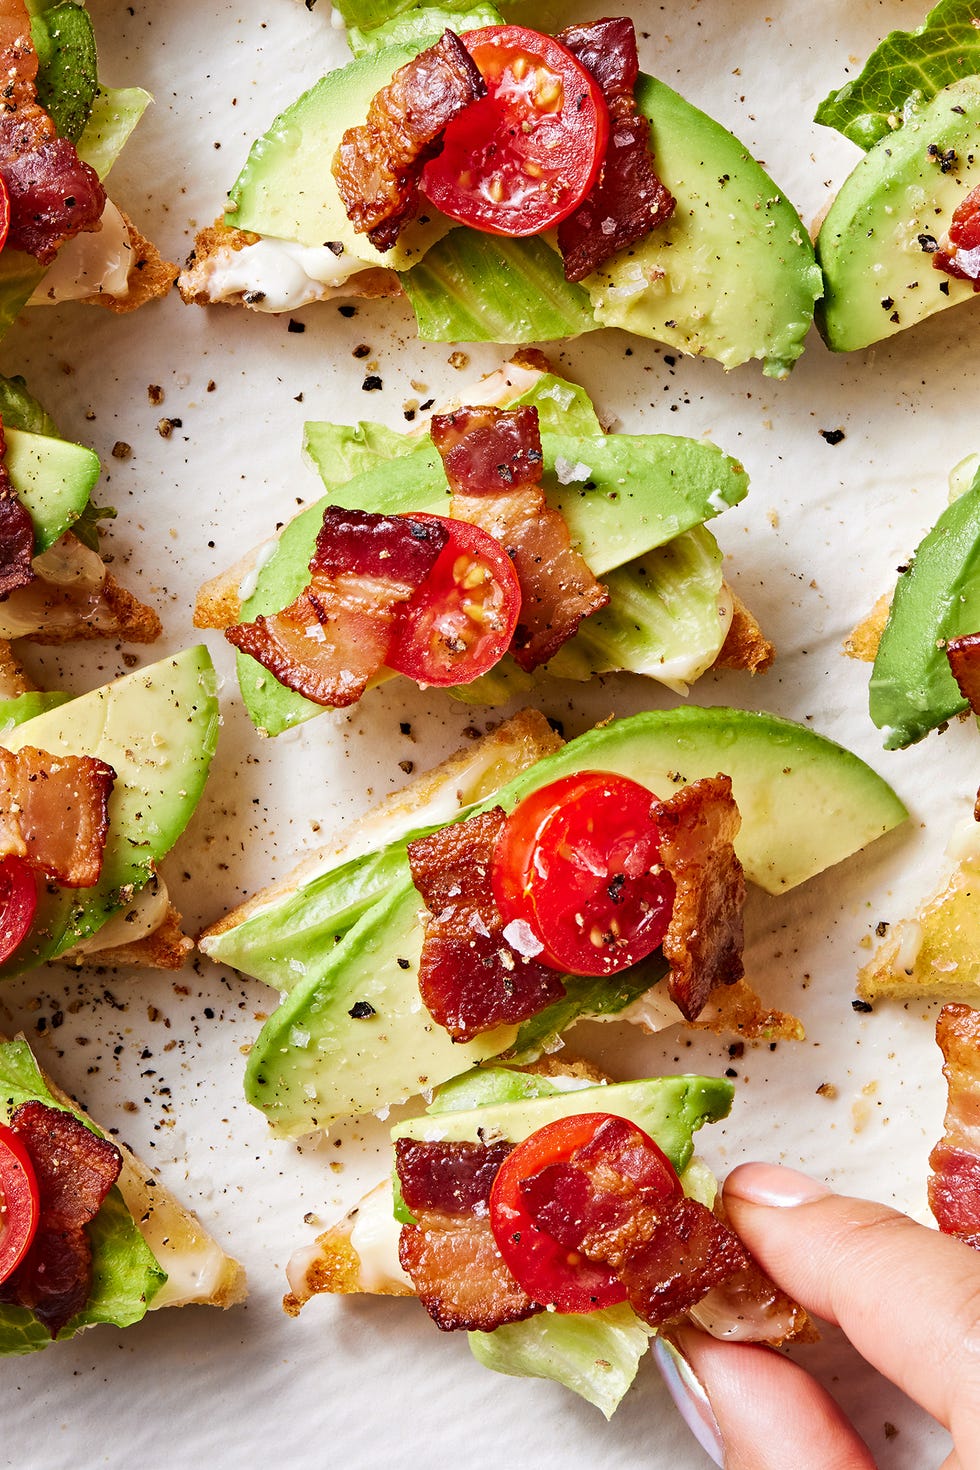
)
(689, 1396)
(771, 1184)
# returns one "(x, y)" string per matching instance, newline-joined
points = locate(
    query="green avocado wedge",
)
(158, 729)
(877, 242)
(806, 804)
(53, 479)
(937, 598)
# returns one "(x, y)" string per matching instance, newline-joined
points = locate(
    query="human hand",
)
(907, 1297)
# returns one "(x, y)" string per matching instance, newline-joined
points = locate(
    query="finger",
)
(767, 1411)
(907, 1297)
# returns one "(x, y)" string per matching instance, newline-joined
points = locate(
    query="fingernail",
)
(771, 1184)
(689, 1396)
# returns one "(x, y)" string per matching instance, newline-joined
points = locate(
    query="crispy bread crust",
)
(150, 276)
(863, 642)
(13, 679)
(167, 948)
(192, 282)
(745, 646)
(131, 620)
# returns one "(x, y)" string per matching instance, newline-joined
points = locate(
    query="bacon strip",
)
(964, 661)
(75, 1170)
(704, 939)
(472, 975)
(493, 461)
(53, 194)
(954, 1186)
(329, 642)
(628, 199)
(379, 164)
(959, 256)
(16, 533)
(450, 1254)
(54, 812)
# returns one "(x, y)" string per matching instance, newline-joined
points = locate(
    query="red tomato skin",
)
(19, 1202)
(416, 648)
(554, 1274)
(537, 879)
(511, 164)
(18, 903)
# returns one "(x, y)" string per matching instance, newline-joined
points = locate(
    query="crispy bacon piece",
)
(493, 462)
(53, 194)
(954, 1186)
(16, 533)
(54, 812)
(704, 939)
(628, 199)
(75, 1170)
(959, 256)
(471, 977)
(379, 164)
(450, 1254)
(964, 661)
(749, 1307)
(329, 642)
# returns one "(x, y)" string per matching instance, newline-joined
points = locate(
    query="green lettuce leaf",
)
(421, 25)
(367, 15)
(19, 409)
(125, 1274)
(904, 72)
(483, 288)
(115, 113)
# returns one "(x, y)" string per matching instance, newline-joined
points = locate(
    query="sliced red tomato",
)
(579, 862)
(962, 257)
(19, 1201)
(524, 156)
(461, 621)
(546, 1199)
(4, 213)
(18, 903)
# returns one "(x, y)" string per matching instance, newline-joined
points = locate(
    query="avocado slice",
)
(53, 479)
(937, 598)
(157, 728)
(806, 804)
(27, 707)
(876, 244)
(286, 189)
(732, 274)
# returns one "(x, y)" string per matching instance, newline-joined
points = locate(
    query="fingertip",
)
(773, 1185)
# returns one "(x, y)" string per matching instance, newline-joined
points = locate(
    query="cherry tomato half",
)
(546, 1197)
(579, 862)
(4, 213)
(19, 1201)
(18, 903)
(524, 156)
(460, 622)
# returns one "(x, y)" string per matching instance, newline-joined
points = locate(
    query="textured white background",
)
(368, 1382)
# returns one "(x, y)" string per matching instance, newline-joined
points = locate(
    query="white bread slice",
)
(197, 1268)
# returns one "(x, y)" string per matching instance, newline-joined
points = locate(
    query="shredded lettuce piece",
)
(471, 287)
(125, 1274)
(596, 1356)
(19, 409)
(426, 25)
(904, 72)
(115, 113)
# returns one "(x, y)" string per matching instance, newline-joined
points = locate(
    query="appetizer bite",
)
(88, 1234)
(902, 239)
(94, 792)
(469, 556)
(559, 1223)
(925, 643)
(569, 882)
(62, 238)
(54, 585)
(954, 1184)
(517, 187)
